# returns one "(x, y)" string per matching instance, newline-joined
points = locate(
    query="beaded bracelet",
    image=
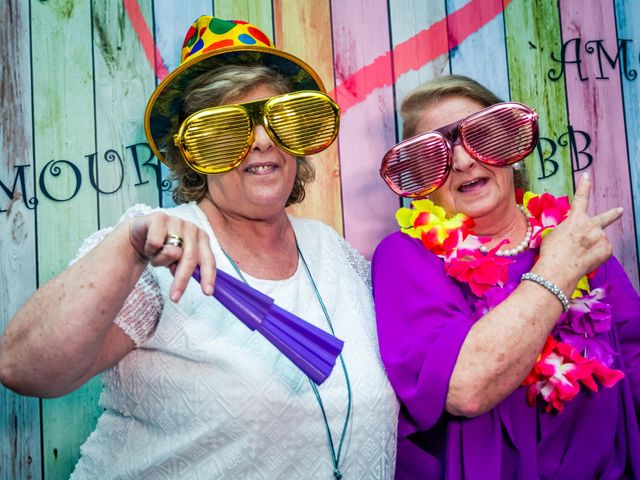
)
(552, 287)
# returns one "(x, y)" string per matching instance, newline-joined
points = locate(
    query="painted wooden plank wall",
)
(595, 107)
(93, 65)
(20, 454)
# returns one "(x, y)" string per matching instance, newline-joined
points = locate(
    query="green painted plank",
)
(124, 80)
(64, 133)
(20, 454)
(258, 12)
(533, 32)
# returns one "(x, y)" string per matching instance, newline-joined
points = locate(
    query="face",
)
(473, 188)
(262, 183)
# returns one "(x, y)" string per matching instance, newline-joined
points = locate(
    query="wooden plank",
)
(481, 54)
(367, 129)
(628, 26)
(410, 20)
(407, 19)
(595, 107)
(20, 453)
(64, 132)
(532, 31)
(304, 29)
(124, 80)
(258, 12)
(172, 21)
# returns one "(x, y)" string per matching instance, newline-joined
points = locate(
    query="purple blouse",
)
(423, 318)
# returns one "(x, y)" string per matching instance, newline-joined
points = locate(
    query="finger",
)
(187, 262)
(156, 234)
(607, 218)
(580, 202)
(207, 264)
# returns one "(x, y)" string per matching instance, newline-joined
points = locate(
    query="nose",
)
(261, 140)
(461, 159)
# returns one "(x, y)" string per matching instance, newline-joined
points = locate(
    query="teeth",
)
(259, 168)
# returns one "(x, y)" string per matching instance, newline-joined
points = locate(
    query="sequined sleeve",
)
(358, 262)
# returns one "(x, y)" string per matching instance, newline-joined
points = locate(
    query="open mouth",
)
(472, 185)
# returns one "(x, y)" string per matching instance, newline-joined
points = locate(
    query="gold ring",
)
(173, 239)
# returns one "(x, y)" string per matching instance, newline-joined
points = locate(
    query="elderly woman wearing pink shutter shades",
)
(509, 334)
(189, 391)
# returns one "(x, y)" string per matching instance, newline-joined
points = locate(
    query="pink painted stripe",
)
(146, 38)
(417, 51)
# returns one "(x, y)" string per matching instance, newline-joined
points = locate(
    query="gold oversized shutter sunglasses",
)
(217, 139)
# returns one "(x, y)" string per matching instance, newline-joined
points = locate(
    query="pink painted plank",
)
(595, 106)
(360, 35)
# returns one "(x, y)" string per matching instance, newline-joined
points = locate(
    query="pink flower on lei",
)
(480, 271)
(559, 371)
(545, 213)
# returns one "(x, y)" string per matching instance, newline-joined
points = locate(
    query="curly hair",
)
(214, 88)
(444, 87)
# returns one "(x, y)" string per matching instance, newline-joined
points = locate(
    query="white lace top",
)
(204, 397)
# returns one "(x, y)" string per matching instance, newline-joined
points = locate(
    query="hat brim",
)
(163, 108)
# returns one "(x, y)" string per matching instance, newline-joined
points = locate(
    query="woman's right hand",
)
(148, 236)
(579, 244)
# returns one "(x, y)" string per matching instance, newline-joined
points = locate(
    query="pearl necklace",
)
(522, 246)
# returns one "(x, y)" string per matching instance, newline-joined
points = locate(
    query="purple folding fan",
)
(310, 348)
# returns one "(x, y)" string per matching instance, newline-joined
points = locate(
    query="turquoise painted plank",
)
(20, 453)
(172, 21)
(595, 106)
(482, 54)
(628, 26)
(65, 133)
(367, 129)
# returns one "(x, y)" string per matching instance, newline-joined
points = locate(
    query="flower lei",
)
(581, 355)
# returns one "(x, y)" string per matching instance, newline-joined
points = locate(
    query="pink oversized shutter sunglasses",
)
(501, 134)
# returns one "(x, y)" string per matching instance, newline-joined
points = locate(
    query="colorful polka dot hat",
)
(212, 42)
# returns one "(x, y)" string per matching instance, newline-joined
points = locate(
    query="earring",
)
(517, 166)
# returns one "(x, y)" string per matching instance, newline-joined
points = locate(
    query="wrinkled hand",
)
(579, 245)
(148, 235)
